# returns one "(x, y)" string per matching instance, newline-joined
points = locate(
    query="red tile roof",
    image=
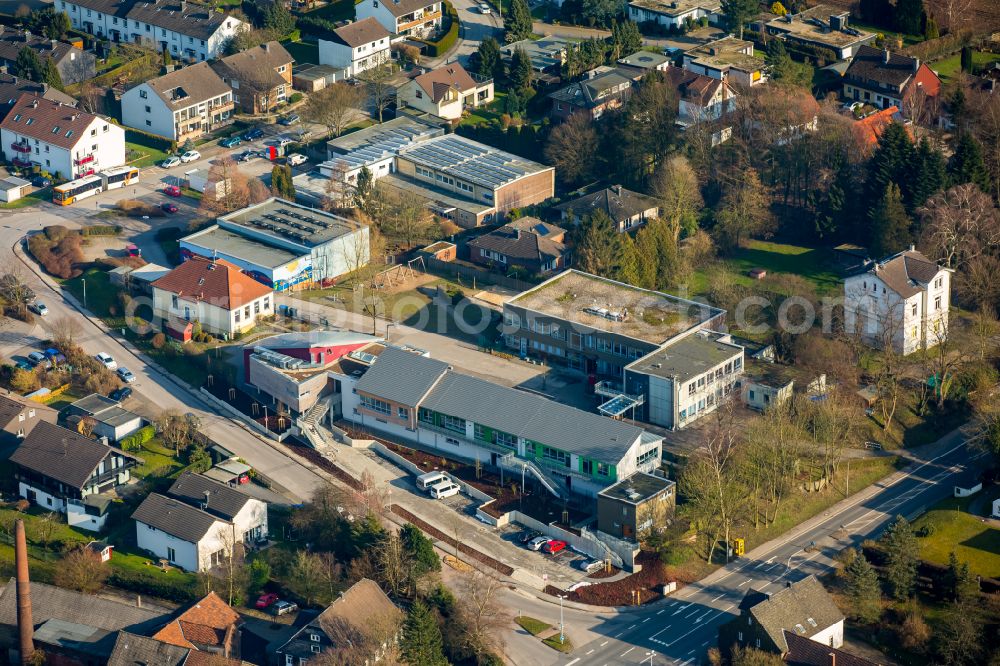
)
(48, 121)
(870, 128)
(438, 82)
(206, 622)
(216, 282)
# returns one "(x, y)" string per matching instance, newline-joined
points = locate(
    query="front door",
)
(524, 346)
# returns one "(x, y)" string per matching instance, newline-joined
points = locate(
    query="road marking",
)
(748, 580)
(644, 620)
(703, 616)
(618, 634)
(719, 597)
(574, 661)
(769, 561)
(705, 644)
(659, 612)
(605, 643)
(687, 633)
(590, 652)
(728, 607)
(631, 628)
(693, 613)
(679, 609)
(621, 655)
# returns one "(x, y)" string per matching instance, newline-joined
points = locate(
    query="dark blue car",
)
(40, 181)
(253, 133)
(231, 142)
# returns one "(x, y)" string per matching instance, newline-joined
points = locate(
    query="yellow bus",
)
(119, 177)
(77, 189)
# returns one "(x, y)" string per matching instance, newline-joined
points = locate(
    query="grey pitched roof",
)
(619, 203)
(403, 7)
(592, 92)
(804, 608)
(362, 32)
(174, 517)
(77, 637)
(223, 501)
(401, 376)
(132, 649)
(12, 41)
(10, 407)
(532, 417)
(256, 66)
(61, 454)
(869, 65)
(51, 602)
(904, 272)
(526, 239)
(189, 85)
(12, 87)
(196, 20)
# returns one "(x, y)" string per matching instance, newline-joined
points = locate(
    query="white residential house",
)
(181, 105)
(60, 139)
(213, 292)
(406, 18)
(902, 300)
(674, 13)
(446, 92)
(356, 47)
(60, 470)
(188, 30)
(198, 522)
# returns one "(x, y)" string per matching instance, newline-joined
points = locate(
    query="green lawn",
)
(62, 400)
(156, 458)
(335, 11)
(143, 156)
(948, 68)
(303, 52)
(553, 642)
(954, 529)
(817, 265)
(531, 625)
(485, 114)
(908, 40)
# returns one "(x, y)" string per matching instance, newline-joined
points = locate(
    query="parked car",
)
(106, 360)
(445, 490)
(190, 156)
(172, 190)
(554, 546)
(231, 142)
(484, 9)
(295, 159)
(125, 375)
(55, 355)
(266, 600)
(168, 207)
(528, 536)
(39, 308)
(171, 161)
(119, 394)
(290, 119)
(538, 542)
(252, 133)
(874, 446)
(283, 608)
(23, 365)
(40, 181)
(282, 141)
(246, 156)
(590, 566)
(38, 358)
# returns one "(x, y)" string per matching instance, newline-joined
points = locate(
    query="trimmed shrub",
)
(295, 98)
(147, 139)
(441, 46)
(101, 230)
(158, 341)
(135, 441)
(153, 584)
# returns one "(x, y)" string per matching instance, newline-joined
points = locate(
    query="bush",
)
(158, 341)
(136, 208)
(441, 46)
(135, 441)
(295, 98)
(153, 584)
(100, 230)
(55, 232)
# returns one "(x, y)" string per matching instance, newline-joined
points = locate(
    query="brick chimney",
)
(25, 625)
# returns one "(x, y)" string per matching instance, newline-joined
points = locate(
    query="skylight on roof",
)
(799, 628)
(30, 120)
(69, 133)
(811, 621)
(55, 130)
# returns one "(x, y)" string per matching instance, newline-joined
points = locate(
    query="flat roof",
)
(439, 199)
(314, 72)
(645, 59)
(223, 241)
(688, 357)
(637, 488)
(650, 316)
(813, 25)
(771, 374)
(726, 52)
(290, 222)
(471, 161)
(677, 7)
(378, 142)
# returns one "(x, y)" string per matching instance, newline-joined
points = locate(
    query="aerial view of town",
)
(500, 332)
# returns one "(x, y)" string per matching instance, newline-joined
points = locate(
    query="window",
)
(256, 307)
(315, 648)
(375, 405)
(142, 93)
(31, 413)
(646, 457)
(267, 303)
(237, 317)
(149, 123)
(173, 301)
(453, 423)
(555, 455)
(505, 439)
(913, 309)
(171, 554)
(314, 638)
(425, 416)
(419, 95)
(289, 660)
(587, 467)
(603, 470)
(20, 417)
(937, 303)
(148, 109)
(691, 388)
(403, 413)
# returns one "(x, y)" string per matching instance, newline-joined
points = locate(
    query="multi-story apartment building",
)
(182, 105)
(356, 47)
(73, 64)
(406, 18)
(60, 139)
(901, 301)
(189, 31)
(422, 400)
(260, 76)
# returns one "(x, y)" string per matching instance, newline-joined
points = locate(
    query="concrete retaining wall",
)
(413, 469)
(229, 409)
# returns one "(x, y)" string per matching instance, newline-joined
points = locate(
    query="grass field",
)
(149, 154)
(531, 625)
(954, 529)
(38, 196)
(948, 68)
(817, 265)
(303, 52)
(553, 642)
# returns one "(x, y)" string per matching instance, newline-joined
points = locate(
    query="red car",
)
(554, 546)
(169, 207)
(172, 191)
(266, 600)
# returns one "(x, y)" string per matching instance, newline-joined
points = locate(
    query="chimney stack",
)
(25, 625)
(833, 658)
(885, 56)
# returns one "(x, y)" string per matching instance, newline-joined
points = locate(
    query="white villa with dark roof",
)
(421, 400)
(187, 30)
(674, 13)
(407, 18)
(902, 300)
(356, 47)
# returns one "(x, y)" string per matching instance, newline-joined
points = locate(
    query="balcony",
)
(408, 22)
(86, 159)
(21, 147)
(21, 162)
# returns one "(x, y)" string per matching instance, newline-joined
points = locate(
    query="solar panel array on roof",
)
(382, 147)
(293, 224)
(470, 161)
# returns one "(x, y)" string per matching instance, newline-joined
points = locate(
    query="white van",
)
(425, 481)
(443, 490)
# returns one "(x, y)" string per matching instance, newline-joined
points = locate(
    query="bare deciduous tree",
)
(82, 570)
(232, 189)
(381, 92)
(482, 618)
(335, 106)
(960, 224)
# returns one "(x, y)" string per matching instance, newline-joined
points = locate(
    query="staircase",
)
(311, 428)
(512, 464)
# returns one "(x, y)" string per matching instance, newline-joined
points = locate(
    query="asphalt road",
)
(680, 630)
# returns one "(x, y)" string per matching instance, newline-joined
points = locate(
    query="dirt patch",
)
(648, 583)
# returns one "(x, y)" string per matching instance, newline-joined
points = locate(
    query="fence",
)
(243, 417)
(467, 274)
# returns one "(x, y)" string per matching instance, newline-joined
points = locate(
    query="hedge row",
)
(101, 230)
(441, 46)
(941, 46)
(135, 441)
(151, 140)
(152, 584)
(427, 528)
